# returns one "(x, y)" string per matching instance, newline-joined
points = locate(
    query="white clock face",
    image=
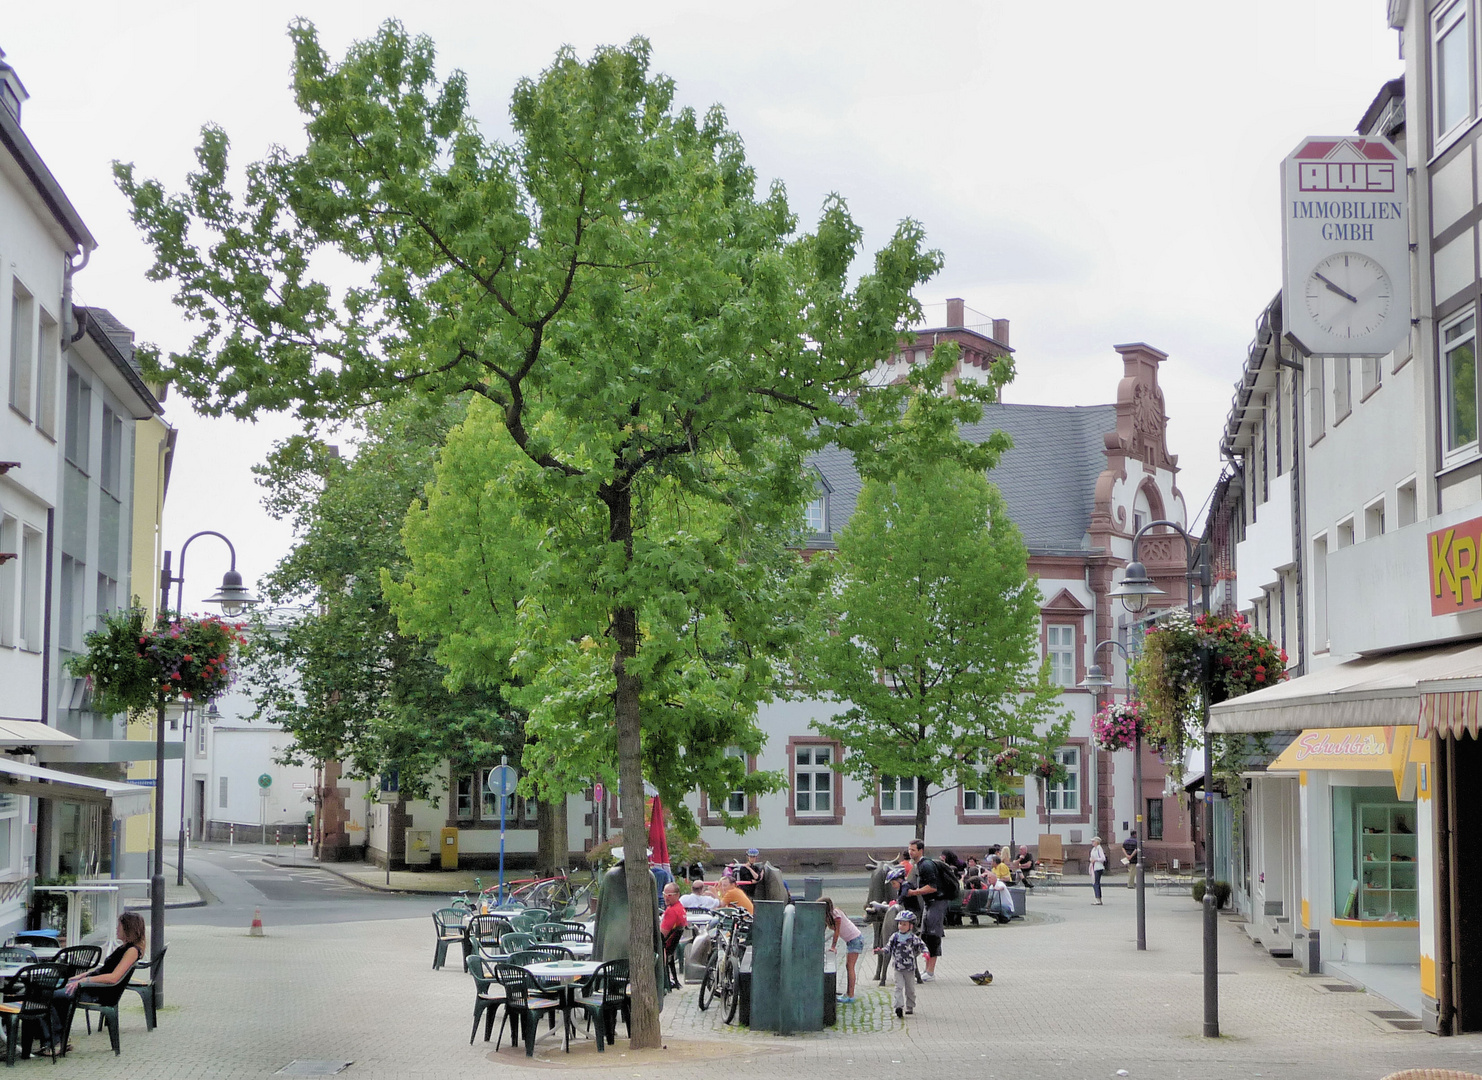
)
(1348, 296)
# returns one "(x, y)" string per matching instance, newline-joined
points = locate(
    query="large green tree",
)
(934, 637)
(648, 329)
(327, 660)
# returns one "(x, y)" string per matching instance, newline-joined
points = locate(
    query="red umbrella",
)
(658, 840)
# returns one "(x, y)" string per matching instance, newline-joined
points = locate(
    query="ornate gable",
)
(1142, 420)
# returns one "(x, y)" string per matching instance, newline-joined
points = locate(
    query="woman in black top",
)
(115, 967)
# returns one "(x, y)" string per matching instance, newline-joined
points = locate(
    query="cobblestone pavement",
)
(1071, 998)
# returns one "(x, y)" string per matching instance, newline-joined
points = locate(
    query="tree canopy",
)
(649, 330)
(934, 638)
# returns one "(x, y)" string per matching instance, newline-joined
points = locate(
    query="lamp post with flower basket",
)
(1117, 727)
(134, 667)
(1135, 590)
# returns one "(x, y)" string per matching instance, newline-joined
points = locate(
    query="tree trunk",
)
(555, 853)
(643, 984)
(920, 809)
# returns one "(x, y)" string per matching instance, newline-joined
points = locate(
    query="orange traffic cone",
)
(256, 928)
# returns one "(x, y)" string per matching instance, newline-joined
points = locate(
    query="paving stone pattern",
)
(1071, 998)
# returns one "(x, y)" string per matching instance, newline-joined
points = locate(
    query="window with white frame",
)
(1065, 797)
(815, 516)
(736, 800)
(1369, 375)
(10, 812)
(33, 566)
(48, 358)
(22, 349)
(201, 725)
(1060, 652)
(1374, 519)
(10, 533)
(1459, 378)
(107, 594)
(463, 799)
(113, 452)
(980, 797)
(813, 780)
(1406, 508)
(1451, 82)
(69, 625)
(1342, 388)
(78, 421)
(1317, 402)
(1320, 593)
(898, 794)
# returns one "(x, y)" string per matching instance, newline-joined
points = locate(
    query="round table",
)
(566, 972)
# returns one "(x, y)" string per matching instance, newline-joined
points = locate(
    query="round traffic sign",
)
(264, 781)
(502, 780)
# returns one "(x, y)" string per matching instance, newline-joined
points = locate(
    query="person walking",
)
(904, 946)
(1132, 848)
(932, 891)
(1097, 861)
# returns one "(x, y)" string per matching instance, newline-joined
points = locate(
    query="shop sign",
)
(1452, 554)
(1373, 749)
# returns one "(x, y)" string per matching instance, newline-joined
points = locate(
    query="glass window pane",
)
(1451, 76)
(802, 800)
(823, 755)
(822, 802)
(822, 781)
(804, 755)
(1461, 425)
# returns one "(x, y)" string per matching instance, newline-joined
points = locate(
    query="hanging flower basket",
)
(130, 665)
(1049, 769)
(1168, 674)
(1012, 761)
(1117, 726)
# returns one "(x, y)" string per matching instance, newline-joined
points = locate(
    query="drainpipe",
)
(73, 334)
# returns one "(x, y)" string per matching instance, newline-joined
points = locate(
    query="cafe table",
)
(566, 974)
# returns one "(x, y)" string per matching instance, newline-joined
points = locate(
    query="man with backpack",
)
(937, 887)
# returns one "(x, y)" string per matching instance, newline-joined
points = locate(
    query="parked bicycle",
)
(729, 937)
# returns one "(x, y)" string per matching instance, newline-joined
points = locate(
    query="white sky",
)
(1096, 173)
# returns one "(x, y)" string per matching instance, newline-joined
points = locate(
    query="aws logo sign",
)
(1355, 166)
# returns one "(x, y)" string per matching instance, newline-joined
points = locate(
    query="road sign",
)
(1011, 806)
(264, 781)
(502, 780)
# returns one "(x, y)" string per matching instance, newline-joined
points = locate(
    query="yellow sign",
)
(1370, 749)
(1011, 803)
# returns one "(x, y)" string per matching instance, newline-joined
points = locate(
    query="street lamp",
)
(1096, 680)
(233, 597)
(1135, 590)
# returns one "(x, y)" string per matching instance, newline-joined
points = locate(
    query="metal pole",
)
(157, 880)
(503, 760)
(1211, 910)
(184, 738)
(1142, 907)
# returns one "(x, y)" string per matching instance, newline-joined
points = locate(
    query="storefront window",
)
(1374, 869)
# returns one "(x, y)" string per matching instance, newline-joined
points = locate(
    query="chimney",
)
(1001, 331)
(12, 93)
(954, 312)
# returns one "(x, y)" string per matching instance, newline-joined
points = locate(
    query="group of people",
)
(733, 890)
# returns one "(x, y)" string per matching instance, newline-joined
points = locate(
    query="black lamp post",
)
(1096, 679)
(1135, 590)
(234, 598)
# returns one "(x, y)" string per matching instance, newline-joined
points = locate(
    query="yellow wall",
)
(150, 450)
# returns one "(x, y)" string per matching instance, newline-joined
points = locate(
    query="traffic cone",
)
(256, 928)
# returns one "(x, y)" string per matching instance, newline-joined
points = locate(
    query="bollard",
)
(277, 837)
(231, 835)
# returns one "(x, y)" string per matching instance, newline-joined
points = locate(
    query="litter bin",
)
(812, 888)
(449, 849)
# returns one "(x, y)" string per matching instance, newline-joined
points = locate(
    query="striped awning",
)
(1449, 714)
(1377, 691)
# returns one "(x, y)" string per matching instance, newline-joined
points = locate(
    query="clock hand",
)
(1333, 288)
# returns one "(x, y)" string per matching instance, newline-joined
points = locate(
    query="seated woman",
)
(115, 968)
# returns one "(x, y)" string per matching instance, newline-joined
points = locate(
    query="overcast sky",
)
(1095, 173)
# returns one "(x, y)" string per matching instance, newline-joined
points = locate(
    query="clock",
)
(1348, 295)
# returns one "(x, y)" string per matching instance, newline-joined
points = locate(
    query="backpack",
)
(946, 881)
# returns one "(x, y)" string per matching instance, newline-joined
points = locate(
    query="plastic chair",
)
(37, 983)
(671, 955)
(448, 922)
(151, 970)
(485, 1001)
(540, 954)
(523, 1006)
(540, 914)
(606, 997)
(104, 1000)
(513, 941)
(79, 957)
(548, 931)
(574, 933)
(14, 954)
(481, 931)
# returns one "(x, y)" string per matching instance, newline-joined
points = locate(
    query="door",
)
(1459, 768)
(198, 811)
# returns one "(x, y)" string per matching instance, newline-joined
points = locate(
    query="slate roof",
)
(1048, 479)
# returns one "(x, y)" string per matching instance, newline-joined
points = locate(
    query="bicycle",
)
(729, 938)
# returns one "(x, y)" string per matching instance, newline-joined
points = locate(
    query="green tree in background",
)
(652, 334)
(934, 640)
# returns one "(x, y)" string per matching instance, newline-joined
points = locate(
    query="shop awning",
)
(18, 778)
(1375, 691)
(19, 733)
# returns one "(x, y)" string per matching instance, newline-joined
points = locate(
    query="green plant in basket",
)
(1168, 674)
(130, 665)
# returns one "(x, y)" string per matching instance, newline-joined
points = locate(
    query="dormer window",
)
(815, 516)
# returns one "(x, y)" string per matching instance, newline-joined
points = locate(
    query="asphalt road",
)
(237, 882)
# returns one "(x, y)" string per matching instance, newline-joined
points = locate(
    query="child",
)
(904, 946)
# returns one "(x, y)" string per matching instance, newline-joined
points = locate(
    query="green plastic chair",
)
(549, 931)
(541, 914)
(448, 924)
(513, 941)
(604, 998)
(486, 999)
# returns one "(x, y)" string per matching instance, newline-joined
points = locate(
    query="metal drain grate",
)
(300, 1067)
(1342, 988)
